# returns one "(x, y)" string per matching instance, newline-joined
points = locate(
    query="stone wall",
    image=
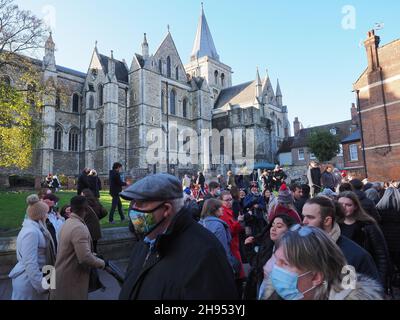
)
(116, 244)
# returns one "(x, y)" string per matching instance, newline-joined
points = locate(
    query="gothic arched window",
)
(172, 102)
(160, 66)
(163, 109)
(73, 139)
(91, 102)
(177, 73)
(75, 103)
(100, 93)
(222, 80)
(168, 67)
(100, 134)
(184, 108)
(216, 77)
(58, 100)
(57, 138)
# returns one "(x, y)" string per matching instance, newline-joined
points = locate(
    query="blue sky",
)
(303, 43)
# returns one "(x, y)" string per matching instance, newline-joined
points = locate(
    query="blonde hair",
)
(314, 251)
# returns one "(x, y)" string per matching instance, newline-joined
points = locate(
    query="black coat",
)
(116, 183)
(358, 257)
(316, 176)
(368, 205)
(390, 224)
(370, 237)
(82, 183)
(94, 185)
(187, 263)
(257, 260)
(328, 180)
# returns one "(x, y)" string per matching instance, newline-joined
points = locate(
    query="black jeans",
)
(116, 201)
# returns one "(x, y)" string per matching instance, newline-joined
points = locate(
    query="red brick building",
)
(378, 102)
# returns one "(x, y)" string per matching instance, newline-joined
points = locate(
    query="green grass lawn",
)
(13, 208)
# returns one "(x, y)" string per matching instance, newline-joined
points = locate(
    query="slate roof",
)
(60, 68)
(121, 72)
(204, 43)
(236, 94)
(300, 140)
(355, 136)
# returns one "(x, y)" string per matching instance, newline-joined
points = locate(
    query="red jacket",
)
(235, 228)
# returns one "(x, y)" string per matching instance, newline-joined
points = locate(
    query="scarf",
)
(50, 247)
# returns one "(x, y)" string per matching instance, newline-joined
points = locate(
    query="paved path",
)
(111, 292)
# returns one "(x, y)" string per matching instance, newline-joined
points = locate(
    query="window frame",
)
(298, 154)
(351, 150)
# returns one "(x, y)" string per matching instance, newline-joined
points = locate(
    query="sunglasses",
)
(303, 231)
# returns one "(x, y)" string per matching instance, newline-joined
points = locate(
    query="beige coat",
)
(74, 260)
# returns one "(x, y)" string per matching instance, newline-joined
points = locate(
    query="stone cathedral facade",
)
(110, 112)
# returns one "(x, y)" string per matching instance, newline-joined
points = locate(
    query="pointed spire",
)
(279, 95)
(203, 43)
(145, 48)
(278, 90)
(111, 66)
(49, 60)
(258, 85)
(258, 79)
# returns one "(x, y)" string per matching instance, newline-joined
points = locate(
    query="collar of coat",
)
(75, 216)
(179, 223)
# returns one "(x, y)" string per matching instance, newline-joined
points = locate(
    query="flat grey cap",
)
(156, 187)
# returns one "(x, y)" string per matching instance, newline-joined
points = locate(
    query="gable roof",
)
(300, 140)
(121, 72)
(355, 136)
(241, 93)
(58, 68)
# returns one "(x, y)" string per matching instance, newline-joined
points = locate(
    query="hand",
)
(241, 217)
(249, 240)
(256, 206)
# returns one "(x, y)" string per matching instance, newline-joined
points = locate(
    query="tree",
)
(323, 144)
(20, 32)
(21, 99)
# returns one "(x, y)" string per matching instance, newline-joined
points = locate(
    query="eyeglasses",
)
(303, 231)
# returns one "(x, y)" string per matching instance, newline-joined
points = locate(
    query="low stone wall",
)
(116, 244)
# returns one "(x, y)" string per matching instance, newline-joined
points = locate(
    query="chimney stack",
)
(296, 126)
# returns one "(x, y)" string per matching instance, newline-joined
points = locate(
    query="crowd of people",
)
(229, 238)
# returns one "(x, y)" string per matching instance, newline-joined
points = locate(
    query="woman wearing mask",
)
(360, 227)
(35, 249)
(259, 251)
(309, 266)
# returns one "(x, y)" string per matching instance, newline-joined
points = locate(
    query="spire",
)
(111, 66)
(258, 85)
(203, 43)
(145, 48)
(278, 94)
(278, 90)
(49, 60)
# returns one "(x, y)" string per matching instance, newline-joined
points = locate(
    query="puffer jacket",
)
(370, 237)
(365, 289)
(390, 225)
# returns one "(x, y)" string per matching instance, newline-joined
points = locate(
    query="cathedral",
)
(120, 113)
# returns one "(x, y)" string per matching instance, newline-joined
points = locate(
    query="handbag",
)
(94, 281)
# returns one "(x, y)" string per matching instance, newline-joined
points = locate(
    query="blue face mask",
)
(285, 283)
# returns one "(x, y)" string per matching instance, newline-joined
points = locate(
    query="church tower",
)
(205, 61)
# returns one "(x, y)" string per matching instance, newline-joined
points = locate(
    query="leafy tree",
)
(20, 99)
(323, 144)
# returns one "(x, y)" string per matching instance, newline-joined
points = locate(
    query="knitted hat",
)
(285, 196)
(37, 210)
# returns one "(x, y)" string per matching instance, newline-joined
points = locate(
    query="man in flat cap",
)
(178, 259)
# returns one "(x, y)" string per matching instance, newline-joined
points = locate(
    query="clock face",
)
(94, 74)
